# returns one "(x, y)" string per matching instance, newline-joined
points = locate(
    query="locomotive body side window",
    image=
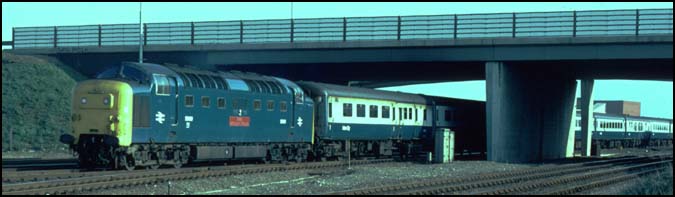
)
(282, 106)
(206, 102)
(257, 104)
(189, 101)
(270, 105)
(221, 103)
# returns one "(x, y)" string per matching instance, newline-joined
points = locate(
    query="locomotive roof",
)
(248, 78)
(358, 92)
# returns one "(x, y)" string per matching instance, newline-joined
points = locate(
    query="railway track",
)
(119, 179)
(534, 179)
(37, 164)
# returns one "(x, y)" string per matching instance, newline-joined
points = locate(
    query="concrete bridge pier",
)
(586, 115)
(529, 112)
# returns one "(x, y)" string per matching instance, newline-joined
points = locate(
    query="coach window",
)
(385, 111)
(448, 115)
(360, 110)
(257, 104)
(415, 114)
(282, 106)
(410, 117)
(206, 102)
(347, 109)
(270, 105)
(162, 87)
(330, 110)
(221, 103)
(393, 113)
(373, 111)
(400, 113)
(189, 101)
(424, 114)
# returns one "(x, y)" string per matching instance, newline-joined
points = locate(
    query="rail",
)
(458, 26)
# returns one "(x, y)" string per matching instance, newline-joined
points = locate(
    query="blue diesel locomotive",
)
(141, 114)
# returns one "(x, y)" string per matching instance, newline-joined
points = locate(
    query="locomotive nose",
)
(101, 108)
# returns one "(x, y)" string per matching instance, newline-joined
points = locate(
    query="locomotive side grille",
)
(141, 111)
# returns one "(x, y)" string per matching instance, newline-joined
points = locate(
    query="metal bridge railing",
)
(527, 24)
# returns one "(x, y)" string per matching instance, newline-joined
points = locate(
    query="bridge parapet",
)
(459, 26)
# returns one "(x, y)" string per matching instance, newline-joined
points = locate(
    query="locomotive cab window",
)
(189, 101)
(299, 96)
(162, 86)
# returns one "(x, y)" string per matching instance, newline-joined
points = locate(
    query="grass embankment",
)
(36, 100)
(656, 184)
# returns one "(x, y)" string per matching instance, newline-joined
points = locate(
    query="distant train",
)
(149, 115)
(612, 131)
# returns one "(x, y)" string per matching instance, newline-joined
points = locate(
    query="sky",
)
(656, 97)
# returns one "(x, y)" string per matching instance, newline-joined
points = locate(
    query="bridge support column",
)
(529, 112)
(586, 115)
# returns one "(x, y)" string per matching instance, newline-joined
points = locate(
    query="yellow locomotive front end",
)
(101, 120)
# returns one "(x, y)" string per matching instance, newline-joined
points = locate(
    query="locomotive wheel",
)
(177, 164)
(129, 165)
(153, 166)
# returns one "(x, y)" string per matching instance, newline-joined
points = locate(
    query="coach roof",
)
(358, 92)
